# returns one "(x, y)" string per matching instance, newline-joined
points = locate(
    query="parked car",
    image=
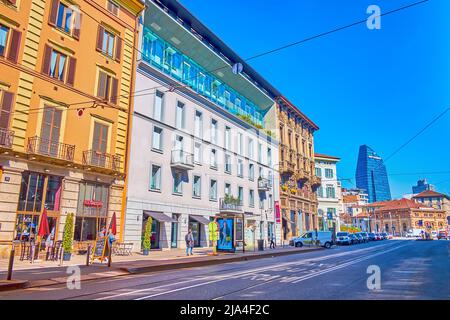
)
(365, 236)
(353, 238)
(322, 238)
(359, 237)
(384, 236)
(343, 238)
(434, 235)
(372, 236)
(443, 234)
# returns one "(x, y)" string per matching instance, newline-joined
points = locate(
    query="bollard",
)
(88, 254)
(109, 257)
(11, 263)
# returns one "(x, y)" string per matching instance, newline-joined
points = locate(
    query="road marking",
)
(248, 272)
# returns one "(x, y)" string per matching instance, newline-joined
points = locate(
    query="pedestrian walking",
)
(189, 238)
(272, 241)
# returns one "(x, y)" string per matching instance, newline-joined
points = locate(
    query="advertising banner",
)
(277, 212)
(225, 234)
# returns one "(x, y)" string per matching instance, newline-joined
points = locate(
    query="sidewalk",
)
(43, 273)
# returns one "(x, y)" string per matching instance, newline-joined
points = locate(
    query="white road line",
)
(243, 273)
(306, 277)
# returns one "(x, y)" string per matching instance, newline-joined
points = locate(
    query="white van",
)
(322, 238)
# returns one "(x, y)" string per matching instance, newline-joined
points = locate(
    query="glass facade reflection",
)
(165, 57)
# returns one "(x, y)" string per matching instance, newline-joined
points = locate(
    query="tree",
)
(68, 234)
(146, 243)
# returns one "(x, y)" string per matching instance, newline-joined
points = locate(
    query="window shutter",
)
(13, 2)
(101, 89)
(114, 91)
(77, 26)
(100, 34)
(46, 59)
(53, 13)
(118, 48)
(71, 72)
(13, 53)
(5, 109)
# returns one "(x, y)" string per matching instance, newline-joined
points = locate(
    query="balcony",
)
(6, 138)
(315, 182)
(287, 167)
(264, 184)
(102, 162)
(182, 160)
(53, 151)
(230, 205)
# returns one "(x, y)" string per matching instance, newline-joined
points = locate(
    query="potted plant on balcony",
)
(293, 190)
(68, 237)
(146, 243)
(284, 187)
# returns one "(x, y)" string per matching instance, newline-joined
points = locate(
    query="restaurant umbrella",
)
(113, 224)
(43, 228)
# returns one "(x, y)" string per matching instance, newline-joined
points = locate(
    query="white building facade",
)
(198, 139)
(329, 195)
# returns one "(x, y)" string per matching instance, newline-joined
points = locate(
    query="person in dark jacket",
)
(189, 238)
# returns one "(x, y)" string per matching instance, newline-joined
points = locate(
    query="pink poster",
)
(277, 212)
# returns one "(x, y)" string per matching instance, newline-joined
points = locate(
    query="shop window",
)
(92, 210)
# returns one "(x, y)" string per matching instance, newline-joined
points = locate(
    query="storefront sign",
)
(99, 249)
(93, 203)
(277, 212)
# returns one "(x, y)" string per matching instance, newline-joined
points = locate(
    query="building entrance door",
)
(196, 232)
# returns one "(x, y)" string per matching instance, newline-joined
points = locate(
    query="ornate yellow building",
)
(298, 200)
(66, 71)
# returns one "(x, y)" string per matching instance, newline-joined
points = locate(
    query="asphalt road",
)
(408, 269)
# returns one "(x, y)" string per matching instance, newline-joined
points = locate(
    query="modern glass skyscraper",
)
(371, 175)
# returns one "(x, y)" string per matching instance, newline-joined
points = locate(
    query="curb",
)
(200, 263)
(6, 285)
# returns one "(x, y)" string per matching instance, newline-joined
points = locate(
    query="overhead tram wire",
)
(263, 53)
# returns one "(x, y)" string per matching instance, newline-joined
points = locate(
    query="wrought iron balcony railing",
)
(6, 138)
(48, 148)
(226, 205)
(102, 160)
(264, 184)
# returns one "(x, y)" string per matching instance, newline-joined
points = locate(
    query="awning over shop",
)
(161, 217)
(199, 219)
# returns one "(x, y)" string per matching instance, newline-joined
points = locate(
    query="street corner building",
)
(329, 194)
(298, 198)
(66, 73)
(203, 141)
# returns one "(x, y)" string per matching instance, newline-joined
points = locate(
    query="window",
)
(259, 152)
(227, 163)
(213, 159)
(270, 201)
(251, 171)
(269, 157)
(177, 182)
(179, 116)
(330, 191)
(329, 173)
(107, 88)
(214, 131)
(58, 65)
(241, 195)
(32, 192)
(240, 146)
(228, 189)
(240, 168)
(227, 138)
(158, 109)
(196, 187)
(99, 144)
(251, 198)
(318, 172)
(3, 39)
(155, 179)
(157, 138)
(6, 103)
(197, 152)
(65, 18)
(261, 202)
(113, 7)
(50, 131)
(250, 148)
(320, 192)
(198, 124)
(108, 43)
(213, 190)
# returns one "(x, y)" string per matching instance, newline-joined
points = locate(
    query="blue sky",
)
(361, 86)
